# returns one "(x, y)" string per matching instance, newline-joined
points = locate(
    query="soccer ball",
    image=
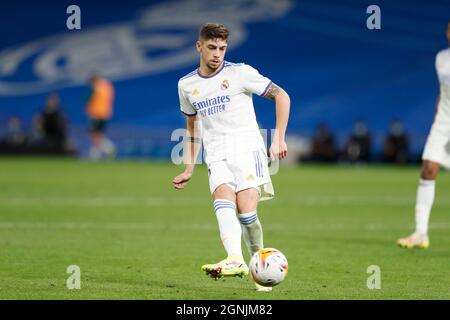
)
(268, 267)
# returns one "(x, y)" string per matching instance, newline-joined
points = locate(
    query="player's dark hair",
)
(213, 31)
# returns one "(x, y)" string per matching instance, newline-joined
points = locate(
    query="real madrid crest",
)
(224, 85)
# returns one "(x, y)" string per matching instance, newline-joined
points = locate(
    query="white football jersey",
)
(223, 103)
(443, 71)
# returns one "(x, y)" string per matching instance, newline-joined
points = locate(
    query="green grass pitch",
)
(134, 237)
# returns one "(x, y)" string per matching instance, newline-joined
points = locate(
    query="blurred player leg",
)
(107, 147)
(424, 203)
(425, 195)
(95, 152)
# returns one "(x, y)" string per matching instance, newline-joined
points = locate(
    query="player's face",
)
(212, 52)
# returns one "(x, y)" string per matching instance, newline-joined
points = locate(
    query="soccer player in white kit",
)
(218, 95)
(435, 154)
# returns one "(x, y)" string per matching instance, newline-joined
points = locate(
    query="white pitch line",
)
(99, 201)
(113, 201)
(207, 226)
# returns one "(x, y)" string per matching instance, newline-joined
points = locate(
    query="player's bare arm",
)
(192, 148)
(278, 149)
(438, 99)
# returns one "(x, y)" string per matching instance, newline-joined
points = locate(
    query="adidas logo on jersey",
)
(194, 92)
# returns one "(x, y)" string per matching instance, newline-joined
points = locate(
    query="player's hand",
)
(180, 181)
(278, 150)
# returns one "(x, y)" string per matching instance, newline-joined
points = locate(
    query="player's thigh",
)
(437, 148)
(221, 181)
(225, 191)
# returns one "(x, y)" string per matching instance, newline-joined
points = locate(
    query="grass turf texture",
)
(135, 237)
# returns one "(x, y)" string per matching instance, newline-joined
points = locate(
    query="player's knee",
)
(430, 170)
(224, 191)
(246, 207)
(247, 201)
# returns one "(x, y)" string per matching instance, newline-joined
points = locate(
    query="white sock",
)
(424, 202)
(230, 229)
(252, 230)
(95, 153)
(107, 146)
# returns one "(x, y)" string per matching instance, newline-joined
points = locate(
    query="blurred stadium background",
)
(122, 222)
(335, 69)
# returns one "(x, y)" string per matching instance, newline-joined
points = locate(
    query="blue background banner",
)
(334, 68)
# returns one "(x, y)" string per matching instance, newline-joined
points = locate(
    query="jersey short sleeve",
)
(443, 67)
(438, 67)
(185, 106)
(253, 81)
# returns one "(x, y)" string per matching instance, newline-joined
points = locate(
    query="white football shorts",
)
(437, 147)
(244, 171)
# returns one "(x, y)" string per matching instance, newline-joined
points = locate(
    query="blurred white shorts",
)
(244, 171)
(437, 147)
